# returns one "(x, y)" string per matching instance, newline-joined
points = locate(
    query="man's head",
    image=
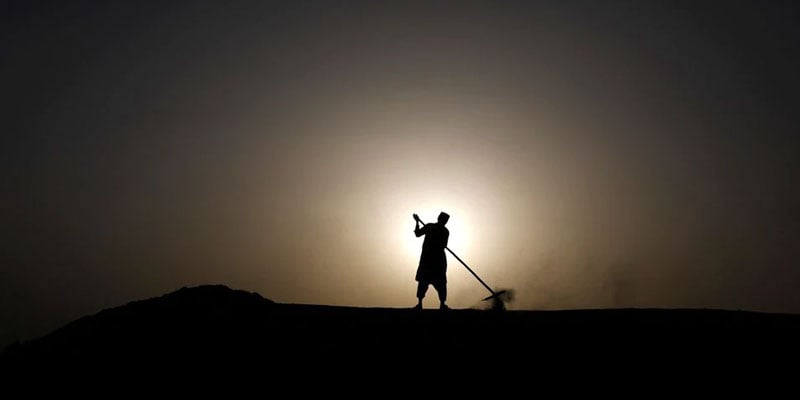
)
(443, 217)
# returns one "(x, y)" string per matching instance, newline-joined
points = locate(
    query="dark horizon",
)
(590, 155)
(218, 330)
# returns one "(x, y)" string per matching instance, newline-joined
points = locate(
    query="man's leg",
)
(441, 288)
(422, 288)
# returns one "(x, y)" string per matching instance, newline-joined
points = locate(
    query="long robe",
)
(433, 262)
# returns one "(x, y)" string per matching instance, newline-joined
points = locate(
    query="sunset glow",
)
(590, 154)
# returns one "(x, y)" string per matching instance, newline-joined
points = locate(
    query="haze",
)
(591, 155)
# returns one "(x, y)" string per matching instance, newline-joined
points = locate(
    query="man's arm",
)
(420, 231)
(417, 230)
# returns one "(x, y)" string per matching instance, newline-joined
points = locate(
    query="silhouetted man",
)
(432, 268)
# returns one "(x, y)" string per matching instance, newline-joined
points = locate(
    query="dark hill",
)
(217, 327)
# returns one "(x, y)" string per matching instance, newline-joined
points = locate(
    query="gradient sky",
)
(591, 154)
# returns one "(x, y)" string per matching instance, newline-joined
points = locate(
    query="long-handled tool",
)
(497, 297)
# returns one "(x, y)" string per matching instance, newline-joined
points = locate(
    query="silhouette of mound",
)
(200, 319)
(217, 327)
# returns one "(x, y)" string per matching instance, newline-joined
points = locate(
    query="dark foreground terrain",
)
(214, 327)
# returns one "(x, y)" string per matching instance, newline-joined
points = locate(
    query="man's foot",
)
(417, 307)
(443, 307)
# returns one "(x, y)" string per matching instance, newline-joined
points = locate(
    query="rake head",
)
(499, 299)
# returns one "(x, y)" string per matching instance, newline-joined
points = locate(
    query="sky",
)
(590, 154)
